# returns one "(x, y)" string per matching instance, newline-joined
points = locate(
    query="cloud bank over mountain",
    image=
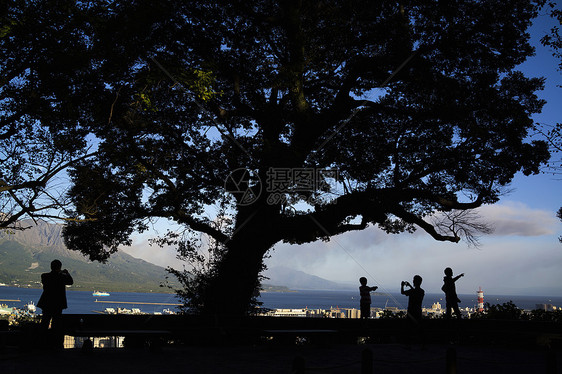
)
(517, 219)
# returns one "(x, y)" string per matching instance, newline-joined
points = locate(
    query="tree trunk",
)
(232, 289)
(234, 285)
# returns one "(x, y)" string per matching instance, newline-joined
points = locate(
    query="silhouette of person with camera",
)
(414, 315)
(415, 297)
(53, 299)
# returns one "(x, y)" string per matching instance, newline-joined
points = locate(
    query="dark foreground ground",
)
(344, 358)
(267, 345)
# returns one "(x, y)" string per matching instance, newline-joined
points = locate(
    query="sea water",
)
(82, 302)
(350, 299)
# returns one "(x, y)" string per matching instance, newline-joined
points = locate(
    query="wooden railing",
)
(198, 329)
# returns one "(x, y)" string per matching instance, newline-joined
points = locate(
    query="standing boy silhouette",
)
(451, 299)
(365, 292)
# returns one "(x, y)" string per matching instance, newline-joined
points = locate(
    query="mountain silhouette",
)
(296, 279)
(24, 255)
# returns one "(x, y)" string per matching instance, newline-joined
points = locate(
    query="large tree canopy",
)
(40, 108)
(296, 120)
(553, 39)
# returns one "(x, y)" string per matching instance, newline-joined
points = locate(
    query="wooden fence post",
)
(451, 361)
(298, 365)
(367, 361)
(551, 362)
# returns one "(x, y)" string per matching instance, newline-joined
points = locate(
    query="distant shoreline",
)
(268, 288)
(84, 302)
(282, 289)
(92, 289)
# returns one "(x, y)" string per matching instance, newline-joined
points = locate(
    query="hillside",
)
(25, 255)
(295, 279)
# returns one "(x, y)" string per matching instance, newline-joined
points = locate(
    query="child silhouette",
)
(365, 292)
(451, 299)
(415, 297)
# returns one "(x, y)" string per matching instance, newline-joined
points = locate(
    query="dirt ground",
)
(387, 358)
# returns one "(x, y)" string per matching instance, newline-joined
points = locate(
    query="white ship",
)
(100, 293)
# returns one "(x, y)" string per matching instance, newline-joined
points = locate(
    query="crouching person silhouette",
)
(53, 301)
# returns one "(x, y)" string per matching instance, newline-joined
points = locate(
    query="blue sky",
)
(523, 255)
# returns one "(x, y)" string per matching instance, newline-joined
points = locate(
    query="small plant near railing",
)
(506, 310)
(509, 311)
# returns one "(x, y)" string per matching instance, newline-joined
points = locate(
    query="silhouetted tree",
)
(554, 39)
(40, 109)
(503, 311)
(463, 223)
(296, 121)
(543, 315)
(559, 215)
(554, 135)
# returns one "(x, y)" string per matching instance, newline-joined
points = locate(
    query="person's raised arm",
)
(457, 277)
(67, 277)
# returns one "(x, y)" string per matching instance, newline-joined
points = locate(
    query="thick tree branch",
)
(185, 218)
(446, 203)
(409, 217)
(372, 206)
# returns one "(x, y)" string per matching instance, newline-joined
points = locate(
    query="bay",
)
(350, 299)
(82, 302)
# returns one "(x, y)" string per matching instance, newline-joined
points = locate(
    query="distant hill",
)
(295, 279)
(24, 255)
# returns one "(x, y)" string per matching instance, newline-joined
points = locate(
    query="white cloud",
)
(513, 218)
(161, 256)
